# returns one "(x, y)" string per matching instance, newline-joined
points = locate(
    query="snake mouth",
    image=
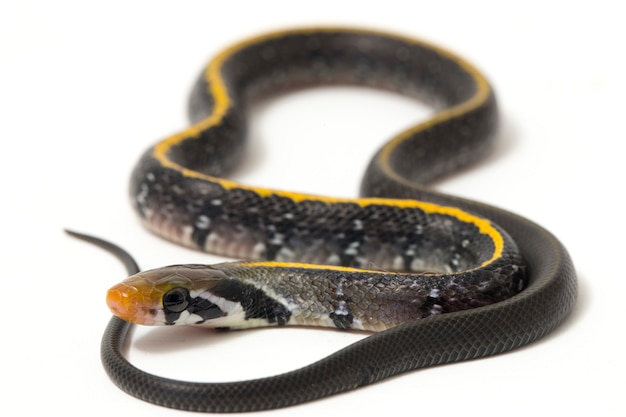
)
(127, 303)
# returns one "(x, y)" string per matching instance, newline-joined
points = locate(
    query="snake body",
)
(394, 261)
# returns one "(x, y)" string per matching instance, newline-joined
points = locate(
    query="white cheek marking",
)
(224, 305)
(235, 315)
(192, 319)
(182, 318)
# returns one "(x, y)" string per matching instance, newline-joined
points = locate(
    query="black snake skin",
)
(455, 137)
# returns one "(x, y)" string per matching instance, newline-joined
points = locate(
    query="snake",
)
(435, 278)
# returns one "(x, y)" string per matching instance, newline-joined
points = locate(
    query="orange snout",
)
(129, 303)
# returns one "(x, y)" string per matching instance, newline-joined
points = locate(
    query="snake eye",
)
(176, 300)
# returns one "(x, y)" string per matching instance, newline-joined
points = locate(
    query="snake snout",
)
(127, 303)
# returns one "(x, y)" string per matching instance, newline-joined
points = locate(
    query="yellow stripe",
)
(484, 226)
(274, 264)
(222, 102)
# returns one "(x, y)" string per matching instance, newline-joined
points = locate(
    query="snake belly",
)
(442, 278)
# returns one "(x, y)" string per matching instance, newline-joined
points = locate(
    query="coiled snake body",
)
(472, 280)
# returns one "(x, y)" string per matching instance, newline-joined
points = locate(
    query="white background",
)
(85, 89)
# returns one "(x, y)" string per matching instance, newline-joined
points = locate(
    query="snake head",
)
(178, 294)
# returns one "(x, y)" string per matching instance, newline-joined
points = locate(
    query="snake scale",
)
(437, 278)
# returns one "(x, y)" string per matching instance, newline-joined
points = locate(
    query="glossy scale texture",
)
(457, 135)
